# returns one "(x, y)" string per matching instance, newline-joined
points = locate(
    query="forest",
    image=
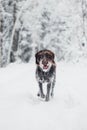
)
(27, 26)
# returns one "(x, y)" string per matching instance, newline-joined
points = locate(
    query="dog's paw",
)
(47, 98)
(38, 94)
(42, 96)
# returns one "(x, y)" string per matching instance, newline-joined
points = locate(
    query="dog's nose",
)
(44, 62)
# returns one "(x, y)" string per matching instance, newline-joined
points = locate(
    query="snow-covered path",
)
(20, 109)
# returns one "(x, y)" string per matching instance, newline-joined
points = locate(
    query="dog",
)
(45, 72)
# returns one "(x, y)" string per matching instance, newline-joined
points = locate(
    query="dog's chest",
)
(44, 76)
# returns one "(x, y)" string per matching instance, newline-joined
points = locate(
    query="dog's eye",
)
(48, 56)
(41, 56)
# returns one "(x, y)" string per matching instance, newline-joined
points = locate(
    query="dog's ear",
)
(51, 54)
(37, 60)
(53, 57)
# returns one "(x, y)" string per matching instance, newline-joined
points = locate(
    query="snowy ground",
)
(20, 109)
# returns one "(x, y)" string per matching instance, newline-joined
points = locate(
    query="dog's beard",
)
(45, 68)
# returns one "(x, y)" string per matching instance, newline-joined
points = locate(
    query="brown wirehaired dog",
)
(45, 72)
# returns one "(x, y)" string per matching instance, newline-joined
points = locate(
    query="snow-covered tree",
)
(7, 24)
(1, 33)
(10, 10)
(32, 25)
(84, 27)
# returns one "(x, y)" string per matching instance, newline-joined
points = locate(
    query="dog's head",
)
(45, 59)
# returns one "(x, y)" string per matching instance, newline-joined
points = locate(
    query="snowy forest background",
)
(27, 26)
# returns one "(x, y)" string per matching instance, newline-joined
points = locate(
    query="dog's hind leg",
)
(48, 91)
(41, 90)
(52, 90)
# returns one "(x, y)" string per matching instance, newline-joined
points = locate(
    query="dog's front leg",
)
(41, 90)
(48, 91)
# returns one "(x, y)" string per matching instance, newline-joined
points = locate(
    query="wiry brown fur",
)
(49, 77)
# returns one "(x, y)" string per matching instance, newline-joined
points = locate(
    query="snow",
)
(20, 108)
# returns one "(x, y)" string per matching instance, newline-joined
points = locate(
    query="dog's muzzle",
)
(45, 64)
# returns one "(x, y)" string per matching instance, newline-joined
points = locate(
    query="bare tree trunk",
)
(13, 42)
(84, 14)
(1, 33)
(16, 35)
